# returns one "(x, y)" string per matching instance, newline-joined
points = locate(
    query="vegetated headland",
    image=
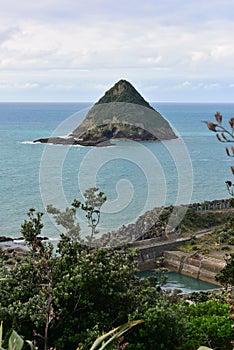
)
(197, 246)
(204, 236)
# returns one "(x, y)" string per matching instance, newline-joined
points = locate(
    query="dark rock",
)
(71, 141)
(43, 238)
(58, 140)
(5, 239)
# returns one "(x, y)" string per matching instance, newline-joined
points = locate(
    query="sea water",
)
(178, 281)
(134, 176)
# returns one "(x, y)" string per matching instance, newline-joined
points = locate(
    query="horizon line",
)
(92, 102)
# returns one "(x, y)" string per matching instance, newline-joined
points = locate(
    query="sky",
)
(75, 50)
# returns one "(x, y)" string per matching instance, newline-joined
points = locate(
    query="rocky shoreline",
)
(70, 141)
(92, 142)
(147, 228)
(9, 243)
(149, 225)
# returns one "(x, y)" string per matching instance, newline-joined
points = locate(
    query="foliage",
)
(183, 326)
(94, 199)
(57, 299)
(41, 257)
(198, 220)
(68, 299)
(224, 135)
(66, 219)
(215, 242)
(208, 324)
(15, 342)
(163, 328)
(92, 207)
(226, 275)
(202, 296)
(108, 341)
(126, 94)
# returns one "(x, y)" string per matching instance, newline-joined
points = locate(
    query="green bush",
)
(163, 328)
(183, 327)
(69, 299)
(208, 324)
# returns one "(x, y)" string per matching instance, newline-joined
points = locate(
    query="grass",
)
(218, 242)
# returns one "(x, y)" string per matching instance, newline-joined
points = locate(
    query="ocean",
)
(134, 176)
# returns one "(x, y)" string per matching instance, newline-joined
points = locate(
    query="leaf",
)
(8, 281)
(204, 348)
(224, 137)
(15, 342)
(218, 137)
(114, 335)
(218, 117)
(227, 151)
(231, 122)
(211, 126)
(32, 347)
(1, 330)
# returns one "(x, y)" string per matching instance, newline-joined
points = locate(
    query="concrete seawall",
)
(193, 265)
(152, 249)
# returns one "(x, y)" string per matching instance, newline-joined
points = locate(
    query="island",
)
(122, 113)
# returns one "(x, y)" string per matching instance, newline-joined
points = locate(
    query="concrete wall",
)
(193, 265)
(188, 264)
(152, 249)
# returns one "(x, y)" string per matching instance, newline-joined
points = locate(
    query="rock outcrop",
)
(122, 113)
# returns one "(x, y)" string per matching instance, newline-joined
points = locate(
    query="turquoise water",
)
(185, 283)
(135, 176)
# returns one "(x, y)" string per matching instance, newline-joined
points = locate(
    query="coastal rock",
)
(57, 140)
(5, 239)
(151, 224)
(122, 113)
(73, 141)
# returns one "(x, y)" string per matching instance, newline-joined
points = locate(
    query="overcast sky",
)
(74, 50)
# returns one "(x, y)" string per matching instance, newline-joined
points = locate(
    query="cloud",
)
(60, 87)
(9, 86)
(63, 44)
(196, 85)
(8, 33)
(209, 86)
(167, 11)
(116, 45)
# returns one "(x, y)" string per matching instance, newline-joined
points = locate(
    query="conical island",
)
(122, 113)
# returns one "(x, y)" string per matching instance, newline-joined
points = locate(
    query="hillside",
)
(123, 113)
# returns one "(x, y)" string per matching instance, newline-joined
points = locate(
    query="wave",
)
(48, 143)
(28, 142)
